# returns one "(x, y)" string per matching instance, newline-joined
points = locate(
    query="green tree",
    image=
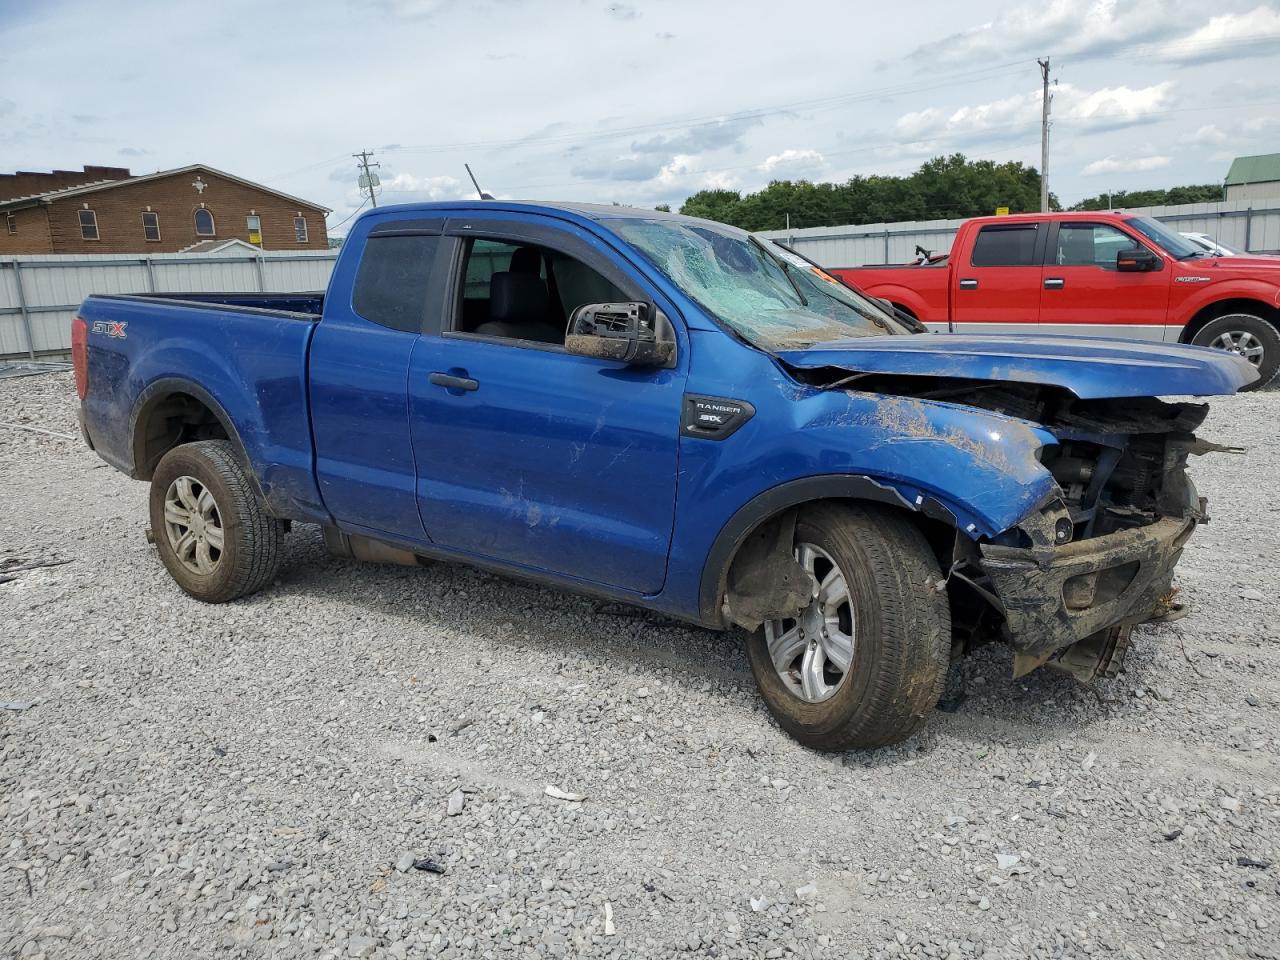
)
(943, 188)
(1195, 193)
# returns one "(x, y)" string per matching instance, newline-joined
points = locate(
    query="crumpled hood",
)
(1089, 367)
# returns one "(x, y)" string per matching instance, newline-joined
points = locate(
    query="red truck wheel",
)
(864, 665)
(213, 535)
(1247, 335)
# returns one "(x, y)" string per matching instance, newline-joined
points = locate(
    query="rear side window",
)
(1000, 246)
(394, 280)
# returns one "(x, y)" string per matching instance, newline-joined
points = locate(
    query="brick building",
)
(108, 210)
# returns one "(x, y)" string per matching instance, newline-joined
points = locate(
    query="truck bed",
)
(241, 355)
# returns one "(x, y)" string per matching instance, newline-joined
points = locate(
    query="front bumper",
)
(1054, 598)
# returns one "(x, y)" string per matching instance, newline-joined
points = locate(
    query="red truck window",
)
(1090, 245)
(1005, 246)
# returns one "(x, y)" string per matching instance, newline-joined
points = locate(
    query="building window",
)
(204, 223)
(88, 225)
(11, 223)
(300, 228)
(151, 226)
(254, 224)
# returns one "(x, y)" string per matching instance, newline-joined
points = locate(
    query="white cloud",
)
(1114, 164)
(405, 187)
(1010, 117)
(1227, 36)
(1061, 27)
(1209, 134)
(794, 163)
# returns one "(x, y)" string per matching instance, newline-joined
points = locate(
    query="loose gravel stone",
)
(257, 779)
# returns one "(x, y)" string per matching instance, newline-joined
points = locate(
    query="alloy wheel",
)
(812, 653)
(193, 525)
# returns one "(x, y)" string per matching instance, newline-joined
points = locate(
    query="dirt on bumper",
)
(1054, 598)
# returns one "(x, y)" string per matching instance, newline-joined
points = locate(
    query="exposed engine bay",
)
(1065, 585)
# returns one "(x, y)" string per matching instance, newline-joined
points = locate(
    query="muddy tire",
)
(891, 628)
(1250, 336)
(214, 537)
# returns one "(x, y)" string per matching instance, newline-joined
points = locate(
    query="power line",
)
(349, 216)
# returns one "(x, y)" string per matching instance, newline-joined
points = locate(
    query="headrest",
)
(526, 260)
(517, 298)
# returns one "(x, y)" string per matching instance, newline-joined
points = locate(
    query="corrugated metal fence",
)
(1252, 225)
(39, 294)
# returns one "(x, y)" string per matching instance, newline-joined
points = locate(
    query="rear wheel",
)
(214, 537)
(1248, 336)
(864, 664)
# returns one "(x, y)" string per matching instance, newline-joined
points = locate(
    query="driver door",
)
(1085, 295)
(526, 454)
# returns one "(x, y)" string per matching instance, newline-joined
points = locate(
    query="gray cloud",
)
(630, 168)
(701, 138)
(1061, 27)
(622, 11)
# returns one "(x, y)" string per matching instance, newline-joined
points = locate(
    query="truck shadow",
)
(982, 702)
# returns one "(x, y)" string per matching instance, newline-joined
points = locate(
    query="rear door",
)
(996, 288)
(529, 455)
(359, 369)
(1084, 293)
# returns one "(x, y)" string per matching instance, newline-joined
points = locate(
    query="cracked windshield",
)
(772, 297)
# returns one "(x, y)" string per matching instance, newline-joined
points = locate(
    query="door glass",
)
(521, 291)
(1090, 245)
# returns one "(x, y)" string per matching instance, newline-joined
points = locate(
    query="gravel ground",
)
(255, 779)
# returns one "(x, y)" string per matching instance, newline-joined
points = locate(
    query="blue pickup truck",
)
(675, 414)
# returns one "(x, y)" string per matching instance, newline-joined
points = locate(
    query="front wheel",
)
(864, 664)
(214, 537)
(1248, 336)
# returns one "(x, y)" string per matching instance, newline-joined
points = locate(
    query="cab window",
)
(522, 291)
(1090, 245)
(1013, 245)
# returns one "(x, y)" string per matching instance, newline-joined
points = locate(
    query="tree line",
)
(943, 188)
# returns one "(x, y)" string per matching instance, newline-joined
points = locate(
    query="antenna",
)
(476, 184)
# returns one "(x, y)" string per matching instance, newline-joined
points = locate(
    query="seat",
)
(517, 306)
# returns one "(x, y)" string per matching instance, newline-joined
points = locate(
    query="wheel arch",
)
(172, 411)
(932, 515)
(1229, 305)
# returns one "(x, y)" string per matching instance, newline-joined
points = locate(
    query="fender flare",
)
(849, 486)
(159, 390)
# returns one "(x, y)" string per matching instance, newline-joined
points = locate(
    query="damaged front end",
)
(1072, 578)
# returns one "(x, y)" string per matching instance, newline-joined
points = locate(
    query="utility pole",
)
(367, 180)
(1044, 136)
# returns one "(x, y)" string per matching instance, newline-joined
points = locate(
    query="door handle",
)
(1054, 283)
(968, 284)
(454, 383)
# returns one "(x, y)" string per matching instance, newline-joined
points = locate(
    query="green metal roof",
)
(1260, 169)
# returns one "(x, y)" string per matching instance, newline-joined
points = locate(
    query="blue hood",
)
(1091, 368)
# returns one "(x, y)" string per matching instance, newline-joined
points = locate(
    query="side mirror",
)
(620, 331)
(1136, 260)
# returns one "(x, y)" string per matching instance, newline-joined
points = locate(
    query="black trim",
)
(162, 389)
(179, 298)
(409, 228)
(727, 416)
(833, 487)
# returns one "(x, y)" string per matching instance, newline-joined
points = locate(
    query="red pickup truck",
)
(1095, 274)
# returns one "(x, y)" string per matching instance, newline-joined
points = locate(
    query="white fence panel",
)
(1252, 225)
(40, 294)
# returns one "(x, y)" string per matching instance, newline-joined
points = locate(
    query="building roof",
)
(49, 196)
(231, 245)
(1263, 168)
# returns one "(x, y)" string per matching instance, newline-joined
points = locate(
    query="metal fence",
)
(40, 294)
(1252, 225)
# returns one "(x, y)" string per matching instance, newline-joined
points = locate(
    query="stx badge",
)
(112, 328)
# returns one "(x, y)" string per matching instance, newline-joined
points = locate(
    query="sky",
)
(640, 102)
